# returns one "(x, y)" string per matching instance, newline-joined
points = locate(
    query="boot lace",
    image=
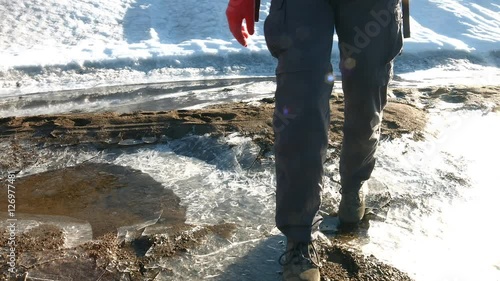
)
(301, 252)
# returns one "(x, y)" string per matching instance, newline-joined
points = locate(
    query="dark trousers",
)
(299, 33)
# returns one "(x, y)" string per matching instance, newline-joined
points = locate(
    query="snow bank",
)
(56, 44)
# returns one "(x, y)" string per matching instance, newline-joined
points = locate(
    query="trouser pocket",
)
(299, 34)
(370, 41)
(274, 27)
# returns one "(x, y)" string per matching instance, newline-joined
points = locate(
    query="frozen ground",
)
(438, 225)
(436, 229)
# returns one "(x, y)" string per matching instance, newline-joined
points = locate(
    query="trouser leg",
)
(299, 33)
(301, 122)
(368, 43)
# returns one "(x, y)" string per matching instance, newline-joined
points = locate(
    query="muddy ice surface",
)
(98, 221)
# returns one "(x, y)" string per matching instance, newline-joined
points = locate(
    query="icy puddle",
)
(106, 196)
(201, 208)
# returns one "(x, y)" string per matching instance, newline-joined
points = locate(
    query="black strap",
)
(257, 10)
(406, 18)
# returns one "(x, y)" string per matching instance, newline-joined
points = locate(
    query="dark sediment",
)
(342, 264)
(112, 129)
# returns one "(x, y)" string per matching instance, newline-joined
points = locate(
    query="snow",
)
(55, 45)
(61, 32)
(454, 25)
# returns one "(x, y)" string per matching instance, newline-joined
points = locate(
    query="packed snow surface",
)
(53, 45)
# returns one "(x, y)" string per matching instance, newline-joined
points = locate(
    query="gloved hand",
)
(236, 11)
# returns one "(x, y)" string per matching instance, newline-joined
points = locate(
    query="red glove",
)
(236, 11)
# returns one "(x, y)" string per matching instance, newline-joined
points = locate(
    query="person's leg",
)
(299, 33)
(369, 39)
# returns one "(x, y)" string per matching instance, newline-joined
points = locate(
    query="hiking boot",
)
(351, 207)
(300, 262)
